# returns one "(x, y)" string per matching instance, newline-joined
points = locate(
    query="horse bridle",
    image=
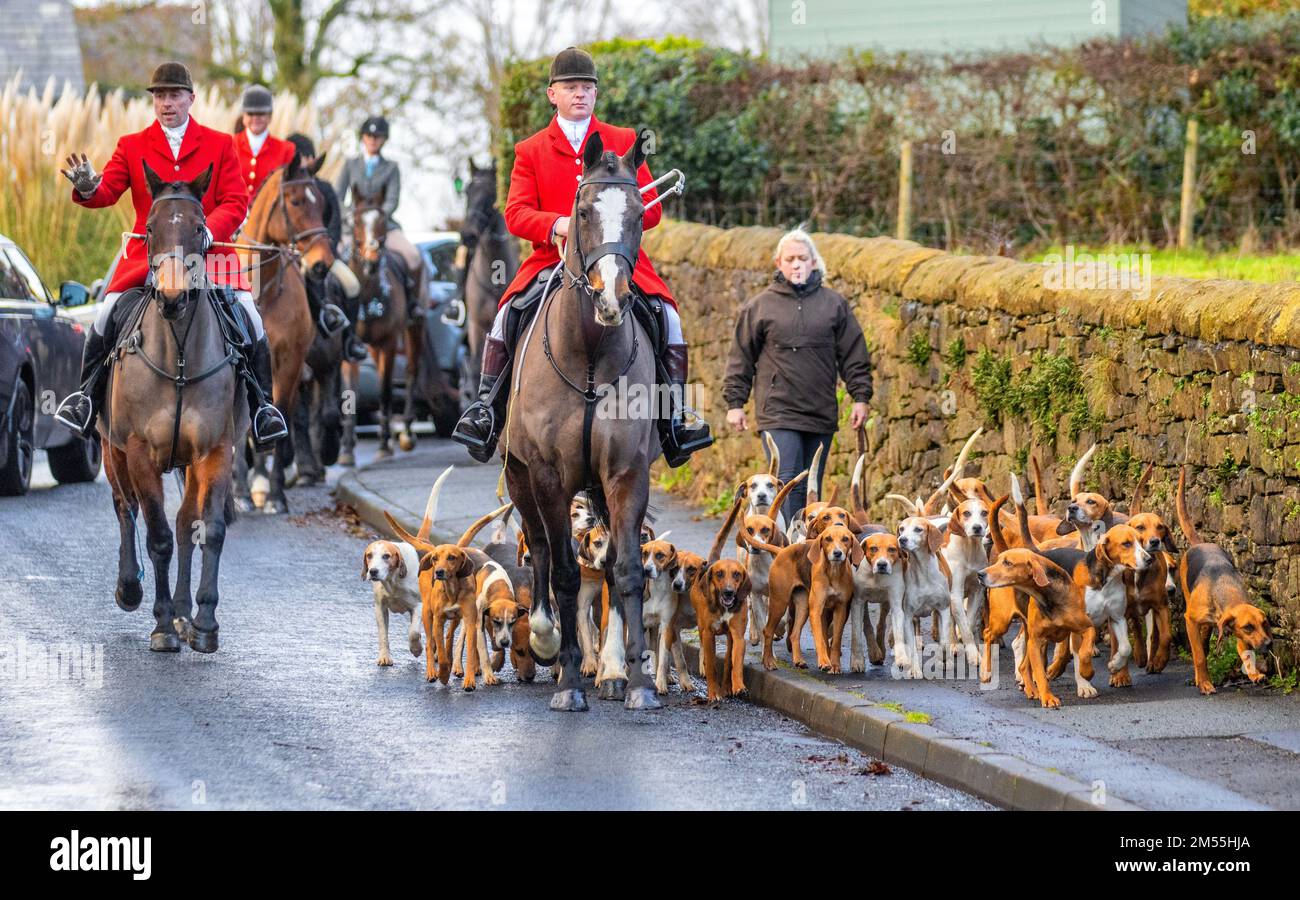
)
(609, 248)
(318, 233)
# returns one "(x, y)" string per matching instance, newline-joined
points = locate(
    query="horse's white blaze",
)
(368, 220)
(611, 206)
(311, 197)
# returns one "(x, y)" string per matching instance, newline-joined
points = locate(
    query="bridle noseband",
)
(587, 258)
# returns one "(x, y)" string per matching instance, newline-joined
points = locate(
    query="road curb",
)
(1000, 778)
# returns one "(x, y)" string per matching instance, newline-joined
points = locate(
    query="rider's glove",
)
(207, 240)
(83, 177)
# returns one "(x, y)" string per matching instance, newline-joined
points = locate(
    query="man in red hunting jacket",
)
(259, 152)
(177, 148)
(547, 170)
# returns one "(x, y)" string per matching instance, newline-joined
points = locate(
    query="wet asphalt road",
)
(293, 713)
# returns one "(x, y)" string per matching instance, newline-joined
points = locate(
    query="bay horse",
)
(173, 400)
(318, 423)
(382, 323)
(583, 335)
(493, 258)
(287, 212)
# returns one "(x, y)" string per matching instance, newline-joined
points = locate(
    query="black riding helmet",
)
(572, 64)
(376, 125)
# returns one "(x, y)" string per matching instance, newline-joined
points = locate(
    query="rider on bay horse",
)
(543, 184)
(369, 175)
(179, 149)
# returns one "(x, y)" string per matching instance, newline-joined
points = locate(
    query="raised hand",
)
(81, 173)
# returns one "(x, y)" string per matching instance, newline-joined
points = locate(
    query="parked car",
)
(40, 364)
(446, 353)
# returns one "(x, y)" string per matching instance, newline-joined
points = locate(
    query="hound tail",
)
(480, 523)
(1184, 520)
(431, 507)
(1041, 503)
(1026, 536)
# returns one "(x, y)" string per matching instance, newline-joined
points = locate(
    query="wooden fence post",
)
(904, 230)
(1188, 208)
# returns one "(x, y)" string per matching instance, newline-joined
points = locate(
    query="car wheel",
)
(76, 461)
(16, 475)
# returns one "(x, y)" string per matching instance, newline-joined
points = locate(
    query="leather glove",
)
(82, 174)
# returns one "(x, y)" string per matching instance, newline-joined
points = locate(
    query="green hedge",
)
(1032, 148)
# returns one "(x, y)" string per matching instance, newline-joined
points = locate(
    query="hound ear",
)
(934, 538)
(521, 610)
(1102, 556)
(742, 490)
(1227, 623)
(1040, 573)
(365, 565)
(466, 568)
(594, 150)
(856, 556)
(401, 565)
(1065, 526)
(779, 539)
(200, 185)
(151, 178)
(1109, 517)
(742, 593)
(1168, 541)
(954, 523)
(814, 549)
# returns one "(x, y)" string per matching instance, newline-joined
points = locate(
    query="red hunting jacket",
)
(225, 204)
(255, 169)
(544, 182)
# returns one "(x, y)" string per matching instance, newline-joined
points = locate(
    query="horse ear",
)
(315, 167)
(294, 167)
(636, 153)
(473, 169)
(200, 185)
(594, 151)
(151, 178)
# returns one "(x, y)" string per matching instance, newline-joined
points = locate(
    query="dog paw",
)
(686, 684)
(469, 685)
(385, 661)
(1051, 701)
(588, 669)
(1085, 690)
(800, 664)
(1121, 679)
(490, 678)
(857, 664)
(416, 648)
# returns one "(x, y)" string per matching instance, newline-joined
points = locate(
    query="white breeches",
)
(670, 312)
(243, 298)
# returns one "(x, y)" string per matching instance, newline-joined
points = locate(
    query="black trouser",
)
(797, 449)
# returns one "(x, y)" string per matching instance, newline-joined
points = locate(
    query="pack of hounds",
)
(963, 560)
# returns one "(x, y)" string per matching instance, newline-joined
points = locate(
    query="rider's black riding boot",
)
(679, 433)
(414, 296)
(481, 423)
(80, 409)
(266, 423)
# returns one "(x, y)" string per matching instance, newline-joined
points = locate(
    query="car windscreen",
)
(31, 283)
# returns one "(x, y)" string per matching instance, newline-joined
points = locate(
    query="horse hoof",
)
(611, 689)
(164, 642)
(346, 460)
(642, 698)
(406, 442)
(574, 700)
(203, 641)
(243, 504)
(128, 595)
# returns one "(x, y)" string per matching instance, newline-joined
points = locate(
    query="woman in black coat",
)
(793, 343)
